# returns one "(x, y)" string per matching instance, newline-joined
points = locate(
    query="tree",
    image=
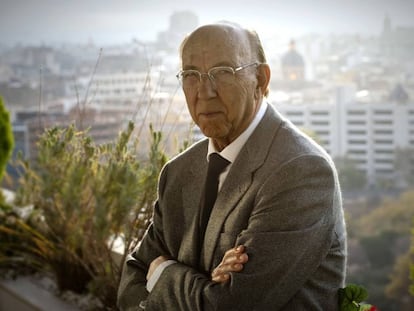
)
(6, 137)
(393, 215)
(404, 166)
(398, 288)
(6, 145)
(350, 177)
(384, 236)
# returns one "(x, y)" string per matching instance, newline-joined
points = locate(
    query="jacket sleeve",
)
(132, 290)
(289, 233)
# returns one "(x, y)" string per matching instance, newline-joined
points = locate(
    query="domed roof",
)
(292, 58)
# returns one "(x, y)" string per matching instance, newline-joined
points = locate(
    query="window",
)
(357, 132)
(320, 113)
(384, 161)
(383, 122)
(384, 171)
(357, 152)
(357, 112)
(383, 132)
(383, 141)
(320, 122)
(384, 151)
(357, 142)
(294, 113)
(359, 161)
(356, 122)
(383, 112)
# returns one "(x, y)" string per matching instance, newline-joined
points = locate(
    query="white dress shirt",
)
(231, 151)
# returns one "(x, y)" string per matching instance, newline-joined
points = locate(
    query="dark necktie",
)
(216, 166)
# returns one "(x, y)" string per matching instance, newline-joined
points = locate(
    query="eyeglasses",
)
(191, 78)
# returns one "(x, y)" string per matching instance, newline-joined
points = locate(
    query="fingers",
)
(233, 261)
(236, 251)
(234, 257)
(221, 278)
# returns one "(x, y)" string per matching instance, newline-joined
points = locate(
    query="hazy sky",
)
(115, 21)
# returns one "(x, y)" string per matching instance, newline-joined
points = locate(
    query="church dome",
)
(292, 58)
(293, 65)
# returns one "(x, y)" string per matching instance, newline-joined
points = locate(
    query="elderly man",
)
(274, 238)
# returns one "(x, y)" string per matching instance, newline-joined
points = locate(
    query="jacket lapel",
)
(191, 195)
(239, 179)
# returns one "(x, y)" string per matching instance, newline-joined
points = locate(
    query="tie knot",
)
(217, 163)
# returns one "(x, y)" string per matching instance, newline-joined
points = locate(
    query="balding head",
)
(233, 31)
(232, 38)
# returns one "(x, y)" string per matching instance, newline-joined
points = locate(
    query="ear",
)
(263, 78)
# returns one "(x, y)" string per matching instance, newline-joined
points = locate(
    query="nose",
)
(207, 88)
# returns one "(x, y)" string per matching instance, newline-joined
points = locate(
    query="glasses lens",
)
(222, 74)
(189, 77)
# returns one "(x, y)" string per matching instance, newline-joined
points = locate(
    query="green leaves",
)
(6, 137)
(87, 196)
(351, 298)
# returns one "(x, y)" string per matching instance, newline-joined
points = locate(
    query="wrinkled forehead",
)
(215, 44)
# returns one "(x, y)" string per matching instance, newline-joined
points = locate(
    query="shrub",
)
(6, 137)
(86, 198)
(6, 147)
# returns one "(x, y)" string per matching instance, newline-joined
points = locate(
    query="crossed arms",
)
(289, 234)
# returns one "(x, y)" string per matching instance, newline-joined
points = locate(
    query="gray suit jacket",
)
(281, 199)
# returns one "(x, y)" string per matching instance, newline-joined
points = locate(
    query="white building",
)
(121, 87)
(370, 134)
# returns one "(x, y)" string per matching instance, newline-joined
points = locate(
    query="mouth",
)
(209, 115)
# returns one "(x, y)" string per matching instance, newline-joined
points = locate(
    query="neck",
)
(220, 144)
(223, 142)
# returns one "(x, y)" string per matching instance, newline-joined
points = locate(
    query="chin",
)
(217, 132)
(210, 132)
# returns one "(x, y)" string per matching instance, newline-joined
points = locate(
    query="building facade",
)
(379, 138)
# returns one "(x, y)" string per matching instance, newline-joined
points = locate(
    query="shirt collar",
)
(231, 151)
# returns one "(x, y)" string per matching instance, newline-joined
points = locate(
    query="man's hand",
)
(233, 261)
(154, 264)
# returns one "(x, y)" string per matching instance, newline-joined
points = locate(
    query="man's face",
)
(221, 110)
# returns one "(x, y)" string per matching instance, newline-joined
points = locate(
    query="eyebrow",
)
(220, 64)
(190, 67)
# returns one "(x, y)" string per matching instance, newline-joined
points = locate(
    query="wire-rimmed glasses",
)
(191, 78)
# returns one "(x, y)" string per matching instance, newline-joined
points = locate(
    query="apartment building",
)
(376, 136)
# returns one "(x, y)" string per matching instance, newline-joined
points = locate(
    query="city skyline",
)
(106, 21)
